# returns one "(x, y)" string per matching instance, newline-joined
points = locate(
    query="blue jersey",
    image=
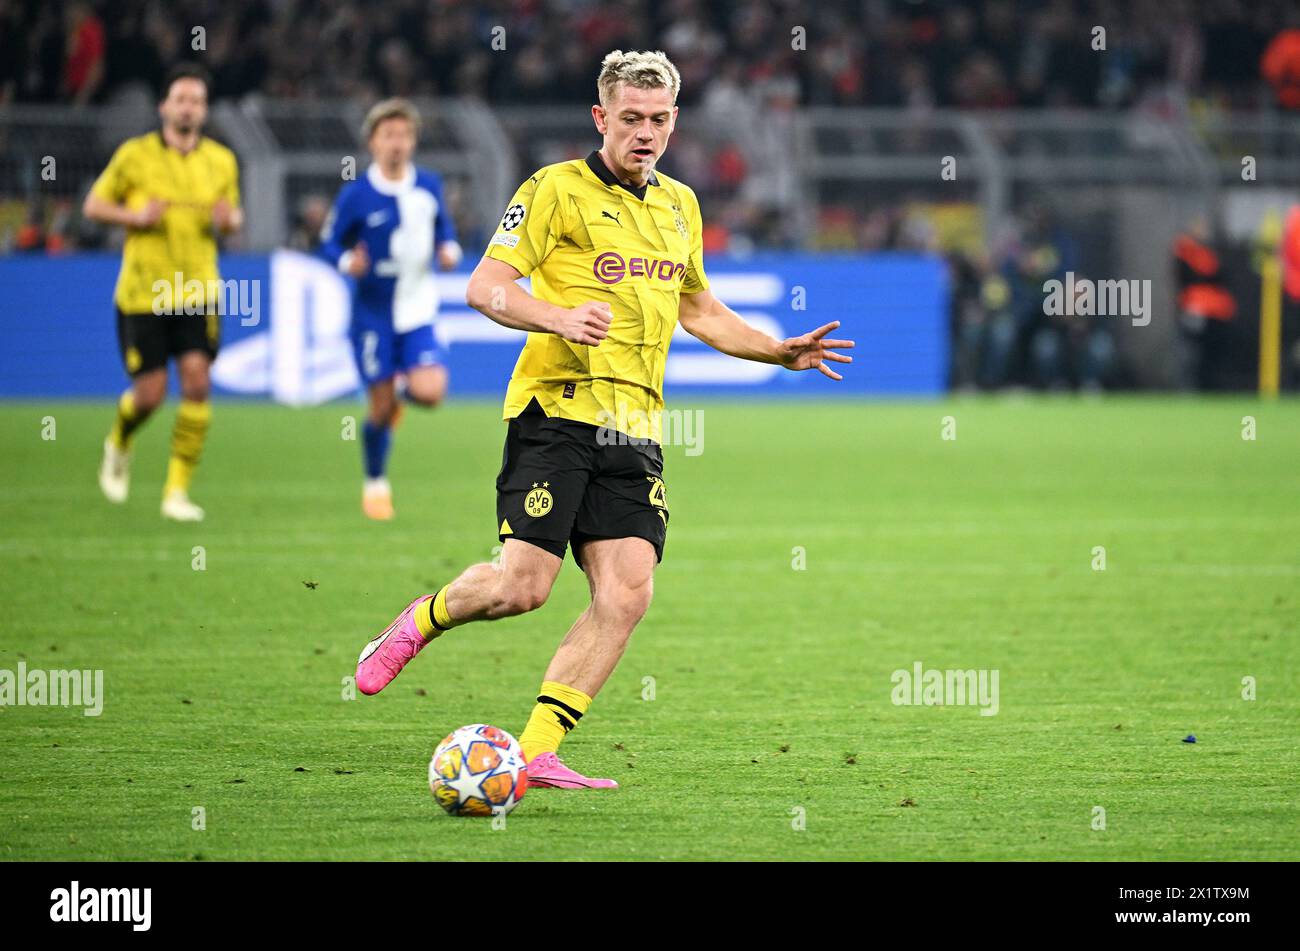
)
(401, 223)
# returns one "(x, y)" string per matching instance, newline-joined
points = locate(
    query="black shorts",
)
(560, 485)
(146, 341)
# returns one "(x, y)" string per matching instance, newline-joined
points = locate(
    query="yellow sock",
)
(126, 422)
(187, 443)
(558, 710)
(431, 617)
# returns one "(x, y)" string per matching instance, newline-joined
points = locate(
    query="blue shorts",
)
(382, 352)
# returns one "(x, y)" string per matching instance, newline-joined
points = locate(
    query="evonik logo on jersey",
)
(611, 267)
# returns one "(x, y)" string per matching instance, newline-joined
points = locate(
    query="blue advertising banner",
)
(284, 335)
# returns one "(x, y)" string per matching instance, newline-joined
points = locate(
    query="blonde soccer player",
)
(614, 249)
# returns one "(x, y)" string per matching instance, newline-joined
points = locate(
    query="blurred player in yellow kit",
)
(175, 192)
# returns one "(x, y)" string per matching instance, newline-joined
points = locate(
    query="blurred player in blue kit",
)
(385, 231)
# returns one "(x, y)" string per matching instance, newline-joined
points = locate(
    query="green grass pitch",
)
(772, 686)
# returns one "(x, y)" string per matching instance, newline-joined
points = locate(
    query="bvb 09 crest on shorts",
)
(538, 502)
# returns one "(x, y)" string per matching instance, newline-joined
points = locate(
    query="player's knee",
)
(149, 396)
(428, 389)
(428, 398)
(195, 383)
(624, 605)
(520, 597)
(147, 401)
(524, 600)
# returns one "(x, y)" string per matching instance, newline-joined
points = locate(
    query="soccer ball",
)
(496, 736)
(478, 770)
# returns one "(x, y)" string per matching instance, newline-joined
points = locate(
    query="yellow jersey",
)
(183, 241)
(581, 235)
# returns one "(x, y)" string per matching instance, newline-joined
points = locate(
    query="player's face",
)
(636, 125)
(392, 143)
(186, 107)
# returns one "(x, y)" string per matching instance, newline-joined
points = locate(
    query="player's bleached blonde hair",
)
(642, 69)
(395, 108)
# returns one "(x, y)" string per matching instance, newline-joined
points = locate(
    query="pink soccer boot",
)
(384, 657)
(546, 770)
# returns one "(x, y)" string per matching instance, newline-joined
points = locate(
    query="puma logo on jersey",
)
(613, 218)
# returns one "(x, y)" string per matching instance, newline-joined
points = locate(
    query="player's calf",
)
(376, 442)
(482, 592)
(423, 620)
(519, 583)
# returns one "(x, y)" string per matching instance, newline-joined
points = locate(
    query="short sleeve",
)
(532, 225)
(114, 182)
(695, 280)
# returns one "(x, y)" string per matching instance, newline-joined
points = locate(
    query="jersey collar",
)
(601, 171)
(162, 144)
(386, 187)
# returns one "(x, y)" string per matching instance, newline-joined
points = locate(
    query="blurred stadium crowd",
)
(981, 54)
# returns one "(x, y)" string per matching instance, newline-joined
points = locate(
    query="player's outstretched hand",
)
(587, 323)
(813, 350)
(359, 262)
